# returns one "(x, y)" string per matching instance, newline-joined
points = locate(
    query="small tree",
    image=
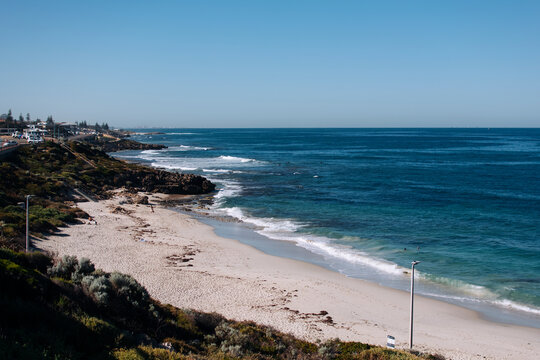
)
(9, 120)
(49, 124)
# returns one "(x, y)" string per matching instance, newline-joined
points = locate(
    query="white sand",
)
(182, 262)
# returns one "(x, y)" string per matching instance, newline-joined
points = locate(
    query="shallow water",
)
(465, 202)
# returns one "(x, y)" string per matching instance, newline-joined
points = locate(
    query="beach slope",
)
(182, 262)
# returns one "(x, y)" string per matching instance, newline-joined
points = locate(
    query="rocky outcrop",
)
(174, 183)
(101, 173)
(112, 145)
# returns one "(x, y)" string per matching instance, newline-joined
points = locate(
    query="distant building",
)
(67, 125)
(34, 134)
(66, 129)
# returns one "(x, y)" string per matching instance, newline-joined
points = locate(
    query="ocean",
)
(367, 202)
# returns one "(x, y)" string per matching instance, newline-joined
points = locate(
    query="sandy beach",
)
(182, 262)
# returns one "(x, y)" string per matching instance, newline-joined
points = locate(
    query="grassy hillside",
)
(50, 172)
(66, 309)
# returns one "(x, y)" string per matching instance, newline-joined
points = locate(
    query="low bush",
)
(126, 287)
(99, 288)
(87, 313)
(34, 260)
(63, 267)
(146, 353)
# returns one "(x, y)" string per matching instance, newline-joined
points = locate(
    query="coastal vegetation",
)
(64, 308)
(58, 174)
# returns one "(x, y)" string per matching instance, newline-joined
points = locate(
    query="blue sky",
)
(273, 63)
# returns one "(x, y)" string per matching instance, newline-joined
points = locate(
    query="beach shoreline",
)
(183, 262)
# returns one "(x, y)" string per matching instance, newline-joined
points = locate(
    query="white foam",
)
(153, 152)
(350, 255)
(187, 148)
(223, 171)
(516, 306)
(172, 166)
(505, 303)
(452, 297)
(234, 158)
(267, 224)
(286, 230)
(470, 290)
(230, 189)
(209, 164)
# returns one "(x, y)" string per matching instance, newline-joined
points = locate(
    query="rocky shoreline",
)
(59, 174)
(112, 145)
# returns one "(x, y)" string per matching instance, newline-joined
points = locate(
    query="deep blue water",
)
(465, 202)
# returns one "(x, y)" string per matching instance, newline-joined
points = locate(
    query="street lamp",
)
(412, 303)
(27, 222)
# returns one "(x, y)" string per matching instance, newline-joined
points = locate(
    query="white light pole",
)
(412, 303)
(27, 222)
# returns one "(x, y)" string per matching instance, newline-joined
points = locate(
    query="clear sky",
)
(273, 63)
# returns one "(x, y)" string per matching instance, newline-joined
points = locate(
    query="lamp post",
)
(27, 222)
(412, 304)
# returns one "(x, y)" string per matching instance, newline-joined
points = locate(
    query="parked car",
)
(9, 143)
(35, 140)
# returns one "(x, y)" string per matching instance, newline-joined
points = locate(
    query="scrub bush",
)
(100, 288)
(64, 267)
(84, 267)
(127, 288)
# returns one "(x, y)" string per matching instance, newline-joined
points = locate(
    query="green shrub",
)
(17, 278)
(69, 268)
(99, 287)
(64, 267)
(207, 322)
(11, 230)
(105, 330)
(34, 260)
(346, 350)
(146, 353)
(127, 288)
(39, 319)
(82, 268)
(384, 354)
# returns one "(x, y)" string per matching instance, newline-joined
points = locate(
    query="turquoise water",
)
(464, 202)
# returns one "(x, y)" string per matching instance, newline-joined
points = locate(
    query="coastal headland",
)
(120, 224)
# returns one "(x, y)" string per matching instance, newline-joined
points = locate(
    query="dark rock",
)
(141, 200)
(112, 145)
(135, 178)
